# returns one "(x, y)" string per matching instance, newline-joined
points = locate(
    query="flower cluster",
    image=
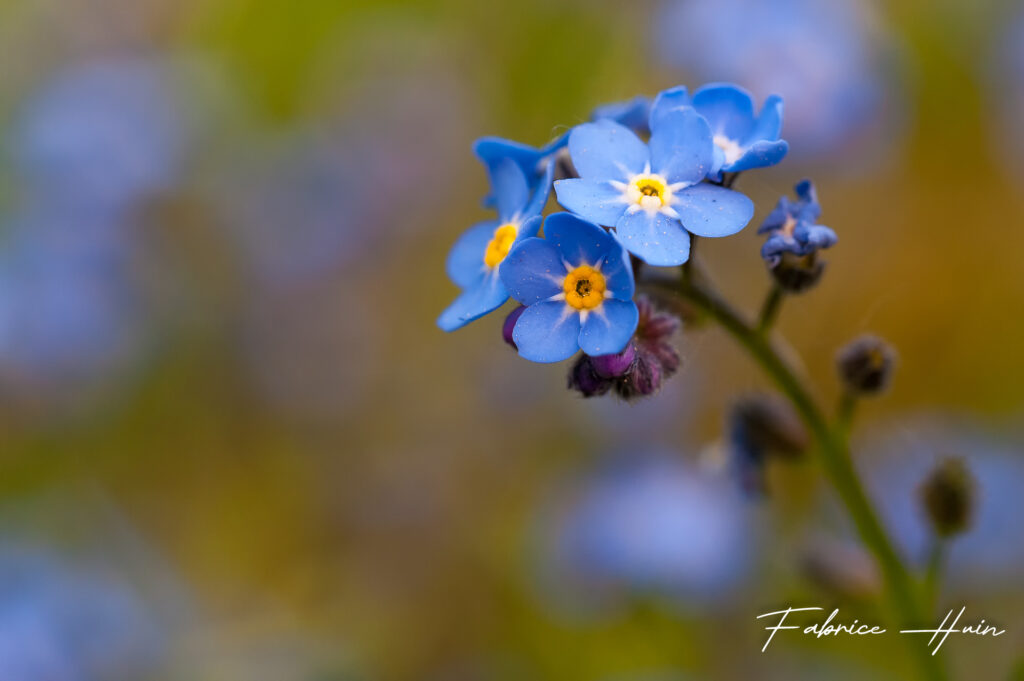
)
(638, 182)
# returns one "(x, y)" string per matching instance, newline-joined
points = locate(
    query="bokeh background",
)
(233, 444)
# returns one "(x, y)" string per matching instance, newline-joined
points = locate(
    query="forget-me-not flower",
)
(742, 139)
(652, 193)
(577, 284)
(792, 227)
(474, 259)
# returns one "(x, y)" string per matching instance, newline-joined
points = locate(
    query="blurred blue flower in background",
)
(62, 622)
(293, 208)
(103, 133)
(991, 551)
(88, 149)
(1006, 91)
(821, 57)
(647, 523)
(70, 312)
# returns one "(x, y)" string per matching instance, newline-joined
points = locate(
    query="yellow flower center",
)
(499, 245)
(650, 191)
(584, 288)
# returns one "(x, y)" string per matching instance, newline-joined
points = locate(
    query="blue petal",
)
(618, 273)
(609, 327)
(543, 189)
(808, 209)
(466, 259)
(579, 242)
(668, 100)
(633, 113)
(484, 295)
(681, 147)
(528, 229)
(777, 218)
(759, 155)
(555, 144)
(768, 125)
(596, 201)
(814, 237)
(493, 150)
(708, 210)
(533, 271)
(775, 246)
(728, 109)
(511, 190)
(606, 151)
(547, 332)
(656, 238)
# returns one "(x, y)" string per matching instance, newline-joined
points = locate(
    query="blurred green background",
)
(223, 396)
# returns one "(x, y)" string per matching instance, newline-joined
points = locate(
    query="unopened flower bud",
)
(584, 380)
(948, 497)
(640, 368)
(761, 427)
(797, 273)
(510, 325)
(644, 378)
(770, 424)
(866, 365)
(614, 366)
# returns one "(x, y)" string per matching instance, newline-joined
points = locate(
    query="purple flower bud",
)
(584, 380)
(614, 366)
(510, 325)
(643, 379)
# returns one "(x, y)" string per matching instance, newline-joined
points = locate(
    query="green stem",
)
(933, 574)
(770, 308)
(835, 454)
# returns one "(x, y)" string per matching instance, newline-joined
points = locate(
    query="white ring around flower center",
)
(731, 148)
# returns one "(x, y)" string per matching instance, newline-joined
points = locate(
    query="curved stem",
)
(835, 455)
(770, 308)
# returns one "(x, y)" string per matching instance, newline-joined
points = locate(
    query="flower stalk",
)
(832, 445)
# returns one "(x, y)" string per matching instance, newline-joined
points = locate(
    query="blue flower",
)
(67, 622)
(652, 193)
(107, 132)
(742, 140)
(535, 164)
(633, 113)
(645, 522)
(474, 259)
(830, 60)
(791, 226)
(577, 284)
